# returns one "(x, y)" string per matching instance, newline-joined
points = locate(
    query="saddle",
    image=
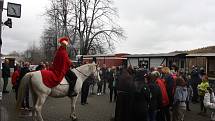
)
(71, 79)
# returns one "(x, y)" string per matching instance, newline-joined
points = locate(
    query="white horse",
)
(40, 92)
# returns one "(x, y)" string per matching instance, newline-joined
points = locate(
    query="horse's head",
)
(89, 69)
(94, 69)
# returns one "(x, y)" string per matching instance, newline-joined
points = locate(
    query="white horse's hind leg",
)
(73, 102)
(34, 99)
(39, 104)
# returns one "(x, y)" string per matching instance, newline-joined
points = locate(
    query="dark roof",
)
(201, 55)
(106, 55)
(154, 55)
(100, 55)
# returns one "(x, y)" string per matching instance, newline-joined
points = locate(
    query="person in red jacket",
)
(60, 66)
(164, 108)
(14, 78)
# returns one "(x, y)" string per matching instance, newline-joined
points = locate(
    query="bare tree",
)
(33, 54)
(89, 23)
(96, 26)
(48, 44)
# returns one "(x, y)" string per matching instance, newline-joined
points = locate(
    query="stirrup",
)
(72, 94)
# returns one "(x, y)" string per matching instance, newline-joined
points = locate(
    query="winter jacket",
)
(5, 71)
(180, 96)
(165, 98)
(202, 88)
(141, 99)
(156, 96)
(110, 79)
(170, 83)
(23, 71)
(15, 77)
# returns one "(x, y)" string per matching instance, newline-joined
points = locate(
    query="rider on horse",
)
(59, 68)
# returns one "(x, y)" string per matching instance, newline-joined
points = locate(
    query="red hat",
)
(63, 39)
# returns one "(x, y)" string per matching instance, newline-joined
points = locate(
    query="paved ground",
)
(98, 109)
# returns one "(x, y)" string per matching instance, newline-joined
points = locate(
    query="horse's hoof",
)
(74, 119)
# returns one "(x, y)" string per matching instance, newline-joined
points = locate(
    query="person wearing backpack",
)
(164, 113)
(156, 96)
(179, 103)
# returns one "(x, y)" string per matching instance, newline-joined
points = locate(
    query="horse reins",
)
(81, 72)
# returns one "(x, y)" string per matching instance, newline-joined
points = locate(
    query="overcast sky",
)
(151, 26)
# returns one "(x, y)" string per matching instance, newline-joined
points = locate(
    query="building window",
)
(211, 67)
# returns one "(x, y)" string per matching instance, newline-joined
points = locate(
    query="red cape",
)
(61, 65)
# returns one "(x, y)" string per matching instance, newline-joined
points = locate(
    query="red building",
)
(108, 59)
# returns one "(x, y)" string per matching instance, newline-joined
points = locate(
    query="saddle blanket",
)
(51, 80)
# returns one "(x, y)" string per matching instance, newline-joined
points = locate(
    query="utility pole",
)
(65, 31)
(1, 10)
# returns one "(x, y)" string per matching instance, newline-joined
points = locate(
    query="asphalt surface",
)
(98, 109)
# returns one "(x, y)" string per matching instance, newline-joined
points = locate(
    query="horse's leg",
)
(73, 102)
(39, 104)
(34, 99)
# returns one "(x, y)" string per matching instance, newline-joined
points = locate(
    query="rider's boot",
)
(72, 92)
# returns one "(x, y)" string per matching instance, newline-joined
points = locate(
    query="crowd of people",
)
(161, 94)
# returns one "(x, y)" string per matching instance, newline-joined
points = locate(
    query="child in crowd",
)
(202, 89)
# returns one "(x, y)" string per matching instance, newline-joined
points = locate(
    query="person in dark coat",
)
(85, 89)
(40, 67)
(140, 94)
(104, 77)
(156, 96)
(111, 84)
(195, 80)
(123, 101)
(24, 70)
(5, 74)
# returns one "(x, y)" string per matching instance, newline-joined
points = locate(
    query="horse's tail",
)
(22, 89)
